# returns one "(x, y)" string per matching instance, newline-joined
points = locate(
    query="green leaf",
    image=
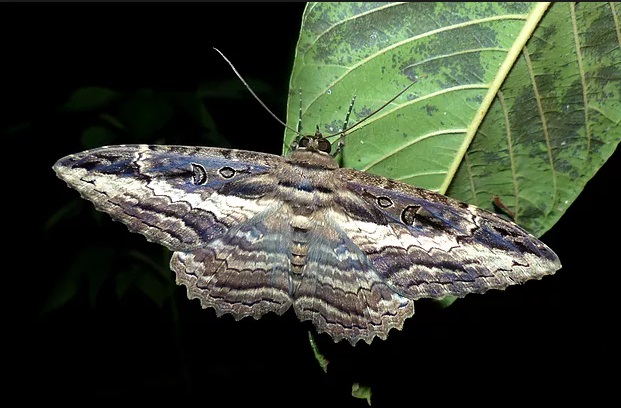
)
(361, 391)
(93, 265)
(89, 98)
(63, 291)
(190, 103)
(151, 277)
(321, 359)
(146, 113)
(519, 100)
(71, 209)
(111, 120)
(95, 136)
(144, 280)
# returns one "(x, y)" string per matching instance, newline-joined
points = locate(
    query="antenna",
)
(254, 94)
(372, 113)
(341, 132)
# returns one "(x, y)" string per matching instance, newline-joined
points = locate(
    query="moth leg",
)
(498, 203)
(339, 146)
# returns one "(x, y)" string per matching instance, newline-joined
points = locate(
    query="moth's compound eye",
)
(324, 146)
(304, 141)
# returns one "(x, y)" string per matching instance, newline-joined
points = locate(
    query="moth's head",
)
(315, 143)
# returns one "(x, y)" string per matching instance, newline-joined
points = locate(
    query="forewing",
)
(178, 196)
(424, 244)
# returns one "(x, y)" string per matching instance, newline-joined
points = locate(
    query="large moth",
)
(254, 233)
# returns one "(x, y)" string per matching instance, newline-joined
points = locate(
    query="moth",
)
(254, 233)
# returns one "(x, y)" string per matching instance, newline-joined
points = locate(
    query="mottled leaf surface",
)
(518, 100)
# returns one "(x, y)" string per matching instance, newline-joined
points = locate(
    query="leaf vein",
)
(585, 97)
(411, 142)
(505, 112)
(544, 123)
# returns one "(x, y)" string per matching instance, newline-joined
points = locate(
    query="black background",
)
(550, 339)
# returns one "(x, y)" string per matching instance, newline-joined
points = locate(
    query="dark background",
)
(550, 339)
